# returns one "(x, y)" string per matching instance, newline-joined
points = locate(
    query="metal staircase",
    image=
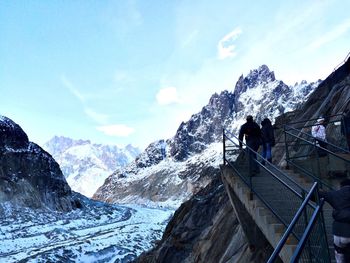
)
(275, 198)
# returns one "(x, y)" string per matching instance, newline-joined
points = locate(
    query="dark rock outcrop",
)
(204, 229)
(29, 176)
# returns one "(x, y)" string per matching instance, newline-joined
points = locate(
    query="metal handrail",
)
(307, 233)
(315, 119)
(271, 173)
(287, 233)
(306, 201)
(268, 170)
(317, 179)
(317, 146)
(314, 139)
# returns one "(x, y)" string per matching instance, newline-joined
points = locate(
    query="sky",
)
(130, 71)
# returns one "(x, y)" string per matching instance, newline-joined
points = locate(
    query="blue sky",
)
(125, 71)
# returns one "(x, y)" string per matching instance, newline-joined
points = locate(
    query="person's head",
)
(249, 118)
(345, 182)
(267, 121)
(320, 120)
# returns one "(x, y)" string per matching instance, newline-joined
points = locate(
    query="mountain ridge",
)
(196, 136)
(85, 164)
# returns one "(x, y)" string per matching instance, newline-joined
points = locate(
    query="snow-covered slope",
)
(86, 165)
(97, 232)
(195, 150)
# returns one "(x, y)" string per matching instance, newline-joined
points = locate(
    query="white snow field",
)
(98, 233)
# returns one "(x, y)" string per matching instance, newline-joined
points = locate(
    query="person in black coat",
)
(252, 134)
(340, 201)
(345, 127)
(268, 139)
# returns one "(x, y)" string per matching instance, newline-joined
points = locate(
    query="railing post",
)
(306, 222)
(224, 146)
(286, 145)
(323, 226)
(318, 164)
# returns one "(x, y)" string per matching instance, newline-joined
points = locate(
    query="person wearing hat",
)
(318, 131)
(252, 134)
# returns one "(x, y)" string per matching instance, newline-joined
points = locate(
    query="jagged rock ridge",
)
(262, 96)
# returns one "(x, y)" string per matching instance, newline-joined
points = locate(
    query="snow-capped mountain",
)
(195, 150)
(86, 165)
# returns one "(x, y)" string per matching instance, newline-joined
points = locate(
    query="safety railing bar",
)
(317, 146)
(308, 125)
(260, 197)
(315, 119)
(310, 136)
(311, 175)
(291, 225)
(298, 157)
(341, 63)
(307, 233)
(280, 180)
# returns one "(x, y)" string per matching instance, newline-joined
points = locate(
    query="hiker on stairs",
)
(252, 134)
(318, 131)
(268, 139)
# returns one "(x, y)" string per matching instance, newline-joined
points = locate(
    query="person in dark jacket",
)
(252, 134)
(340, 201)
(268, 139)
(345, 128)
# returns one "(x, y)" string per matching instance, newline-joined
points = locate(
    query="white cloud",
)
(97, 117)
(167, 96)
(330, 36)
(118, 130)
(190, 39)
(226, 48)
(69, 85)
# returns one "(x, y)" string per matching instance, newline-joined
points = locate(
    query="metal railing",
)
(334, 130)
(321, 164)
(268, 184)
(313, 242)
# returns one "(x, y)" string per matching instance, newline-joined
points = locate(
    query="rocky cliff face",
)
(196, 145)
(30, 176)
(329, 100)
(205, 229)
(86, 165)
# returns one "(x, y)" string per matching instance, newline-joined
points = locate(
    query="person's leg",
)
(341, 254)
(255, 160)
(268, 152)
(252, 148)
(320, 151)
(264, 152)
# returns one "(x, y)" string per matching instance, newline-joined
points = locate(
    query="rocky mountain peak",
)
(259, 76)
(12, 135)
(30, 176)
